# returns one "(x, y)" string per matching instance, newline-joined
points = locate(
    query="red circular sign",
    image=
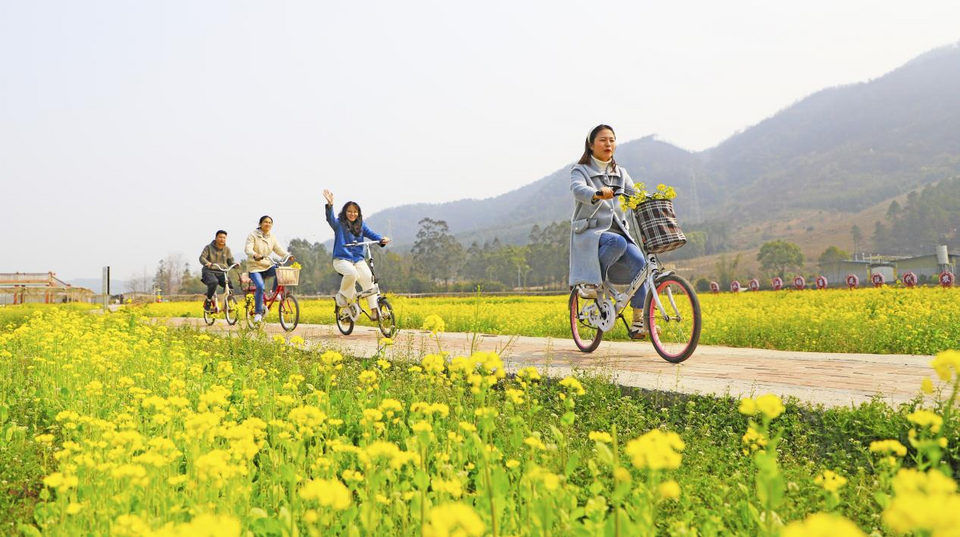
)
(852, 281)
(946, 278)
(799, 283)
(821, 282)
(734, 286)
(877, 279)
(715, 287)
(754, 284)
(777, 283)
(909, 279)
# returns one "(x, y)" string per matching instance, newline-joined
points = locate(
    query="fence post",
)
(105, 289)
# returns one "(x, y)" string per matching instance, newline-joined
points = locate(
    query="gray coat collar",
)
(597, 173)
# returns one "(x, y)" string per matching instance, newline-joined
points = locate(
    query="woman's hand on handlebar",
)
(384, 241)
(605, 193)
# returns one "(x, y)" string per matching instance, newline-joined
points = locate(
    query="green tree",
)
(727, 270)
(548, 254)
(778, 256)
(833, 255)
(436, 253)
(190, 283)
(316, 267)
(857, 237)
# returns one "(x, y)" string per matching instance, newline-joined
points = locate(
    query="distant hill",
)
(841, 149)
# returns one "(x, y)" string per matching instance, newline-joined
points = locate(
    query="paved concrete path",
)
(828, 378)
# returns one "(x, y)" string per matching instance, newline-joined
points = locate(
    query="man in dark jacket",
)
(217, 252)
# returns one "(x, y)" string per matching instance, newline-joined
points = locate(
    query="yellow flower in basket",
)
(640, 195)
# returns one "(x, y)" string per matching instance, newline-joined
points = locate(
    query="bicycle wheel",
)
(208, 317)
(586, 337)
(674, 333)
(387, 322)
(344, 322)
(250, 310)
(289, 312)
(231, 310)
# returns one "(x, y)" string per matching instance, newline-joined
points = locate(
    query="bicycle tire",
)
(585, 342)
(386, 320)
(289, 311)
(344, 322)
(231, 310)
(676, 336)
(208, 317)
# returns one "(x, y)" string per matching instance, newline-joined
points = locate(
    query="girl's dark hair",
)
(356, 226)
(587, 153)
(264, 217)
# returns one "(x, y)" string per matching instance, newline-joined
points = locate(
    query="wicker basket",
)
(288, 276)
(658, 226)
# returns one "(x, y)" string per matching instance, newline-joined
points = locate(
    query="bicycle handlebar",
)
(363, 243)
(282, 261)
(220, 267)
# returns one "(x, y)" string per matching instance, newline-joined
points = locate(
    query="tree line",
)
(929, 218)
(437, 262)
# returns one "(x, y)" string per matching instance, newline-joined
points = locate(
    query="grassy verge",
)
(117, 426)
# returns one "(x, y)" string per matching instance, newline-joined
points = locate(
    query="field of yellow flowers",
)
(113, 425)
(882, 321)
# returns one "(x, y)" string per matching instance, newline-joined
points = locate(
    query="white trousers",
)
(352, 273)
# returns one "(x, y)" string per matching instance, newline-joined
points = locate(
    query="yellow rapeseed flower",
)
(327, 492)
(770, 405)
(669, 490)
(656, 450)
(926, 419)
(454, 519)
(600, 436)
(830, 481)
(434, 324)
(573, 385)
(946, 364)
(748, 407)
(888, 447)
(822, 525)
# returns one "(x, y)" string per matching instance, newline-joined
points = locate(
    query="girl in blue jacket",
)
(348, 261)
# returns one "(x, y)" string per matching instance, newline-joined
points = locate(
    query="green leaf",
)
(256, 512)
(421, 480)
(27, 529)
(604, 453)
(288, 473)
(556, 433)
(572, 463)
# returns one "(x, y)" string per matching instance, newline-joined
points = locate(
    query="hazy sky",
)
(130, 130)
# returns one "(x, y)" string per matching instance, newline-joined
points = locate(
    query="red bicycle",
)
(289, 307)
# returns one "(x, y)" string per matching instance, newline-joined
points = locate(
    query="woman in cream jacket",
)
(260, 244)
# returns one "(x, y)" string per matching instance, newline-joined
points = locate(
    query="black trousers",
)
(212, 279)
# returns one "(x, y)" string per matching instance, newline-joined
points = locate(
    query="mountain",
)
(842, 149)
(510, 216)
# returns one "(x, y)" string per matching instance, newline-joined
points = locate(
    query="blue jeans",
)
(257, 279)
(614, 248)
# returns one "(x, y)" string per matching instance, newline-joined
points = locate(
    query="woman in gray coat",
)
(601, 245)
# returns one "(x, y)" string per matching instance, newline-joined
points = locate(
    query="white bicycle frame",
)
(226, 281)
(646, 277)
(353, 306)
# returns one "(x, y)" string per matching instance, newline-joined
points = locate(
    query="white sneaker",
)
(340, 299)
(258, 318)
